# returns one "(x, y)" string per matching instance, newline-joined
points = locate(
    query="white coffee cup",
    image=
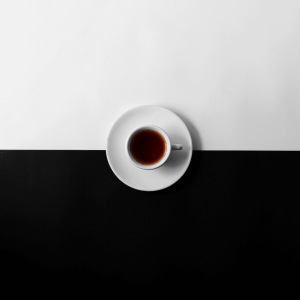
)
(169, 147)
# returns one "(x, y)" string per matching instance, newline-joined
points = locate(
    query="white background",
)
(229, 68)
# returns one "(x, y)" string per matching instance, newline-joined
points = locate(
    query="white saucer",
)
(167, 174)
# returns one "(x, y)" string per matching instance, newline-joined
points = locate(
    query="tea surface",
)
(148, 147)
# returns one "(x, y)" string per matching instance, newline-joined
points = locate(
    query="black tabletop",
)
(233, 217)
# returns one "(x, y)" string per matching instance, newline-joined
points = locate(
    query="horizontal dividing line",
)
(103, 150)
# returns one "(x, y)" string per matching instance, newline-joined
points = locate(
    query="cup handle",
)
(176, 147)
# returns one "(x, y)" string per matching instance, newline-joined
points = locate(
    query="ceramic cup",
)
(169, 147)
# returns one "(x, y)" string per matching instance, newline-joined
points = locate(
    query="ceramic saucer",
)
(167, 174)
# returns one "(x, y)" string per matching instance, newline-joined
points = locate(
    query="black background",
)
(231, 220)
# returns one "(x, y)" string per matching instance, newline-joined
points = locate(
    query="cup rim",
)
(159, 163)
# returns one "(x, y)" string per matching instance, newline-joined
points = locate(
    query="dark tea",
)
(148, 147)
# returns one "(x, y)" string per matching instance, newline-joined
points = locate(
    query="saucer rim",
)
(186, 165)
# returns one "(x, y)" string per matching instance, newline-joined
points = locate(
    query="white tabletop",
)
(230, 69)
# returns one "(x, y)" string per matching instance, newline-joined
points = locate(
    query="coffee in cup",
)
(148, 147)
